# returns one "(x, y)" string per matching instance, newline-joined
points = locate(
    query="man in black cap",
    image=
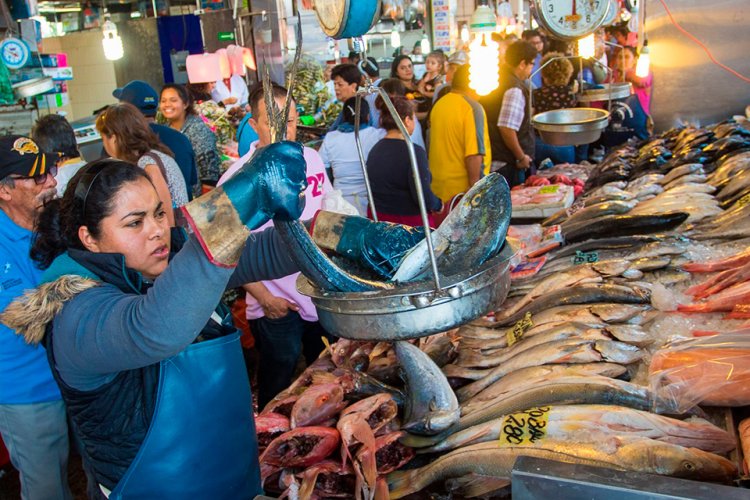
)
(33, 422)
(143, 96)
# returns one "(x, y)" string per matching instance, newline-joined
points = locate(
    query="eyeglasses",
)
(38, 179)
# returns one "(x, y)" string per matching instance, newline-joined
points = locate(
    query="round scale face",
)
(571, 19)
(14, 52)
(331, 14)
(613, 13)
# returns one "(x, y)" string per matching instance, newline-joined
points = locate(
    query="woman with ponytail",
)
(149, 366)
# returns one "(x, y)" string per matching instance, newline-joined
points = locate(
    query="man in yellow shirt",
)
(459, 140)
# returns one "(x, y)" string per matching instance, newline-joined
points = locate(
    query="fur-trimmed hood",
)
(30, 313)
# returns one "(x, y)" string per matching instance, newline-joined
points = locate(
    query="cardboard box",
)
(62, 73)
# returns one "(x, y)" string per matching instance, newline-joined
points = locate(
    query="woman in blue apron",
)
(150, 369)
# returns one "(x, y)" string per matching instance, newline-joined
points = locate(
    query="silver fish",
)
(473, 232)
(431, 406)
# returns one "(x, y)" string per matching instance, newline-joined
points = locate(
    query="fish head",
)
(487, 202)
(433, 422)
(316, 404)
(687, 463)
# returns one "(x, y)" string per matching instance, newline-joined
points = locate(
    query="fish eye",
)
(688, 466)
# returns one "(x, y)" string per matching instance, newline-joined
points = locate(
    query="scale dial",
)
(14, 53)
(571, 19)
(613, 13)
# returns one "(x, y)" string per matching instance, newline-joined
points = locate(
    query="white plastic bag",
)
(333, 201)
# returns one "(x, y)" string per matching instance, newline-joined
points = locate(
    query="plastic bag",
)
(713, 371)
(333, 201)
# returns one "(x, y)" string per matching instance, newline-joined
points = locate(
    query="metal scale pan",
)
(607, 92)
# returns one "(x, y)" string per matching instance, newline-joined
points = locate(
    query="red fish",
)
(282, 406)
(724, 301)
(301, 447)
(268, 427)
(390, 453)
(719, 265)
(327, 479)
(317, 404)
(358, 424)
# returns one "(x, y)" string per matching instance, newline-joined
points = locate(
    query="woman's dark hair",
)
(393, 86)
(199, 92)
(134, 137)
(404, 107)
(394, 65)
(350, 108)
(88, 198)
(184, 96)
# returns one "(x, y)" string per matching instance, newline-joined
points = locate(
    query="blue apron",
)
(201, 442)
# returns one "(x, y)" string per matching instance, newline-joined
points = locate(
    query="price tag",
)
(586, 257)
(519, 329)
(526, 427)
(549, 189)
(743, 201)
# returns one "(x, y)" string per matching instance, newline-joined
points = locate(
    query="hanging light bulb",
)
(425, 44)
(395, 37)
(484, 63)
(111, 41)
(465, 33)
(644, 61)
(586, 47)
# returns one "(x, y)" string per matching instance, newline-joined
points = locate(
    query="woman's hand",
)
(277, 307)
(229, 100)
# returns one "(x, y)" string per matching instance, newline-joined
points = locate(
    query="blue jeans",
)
(280, 343)
(36, 436)
(558, 154)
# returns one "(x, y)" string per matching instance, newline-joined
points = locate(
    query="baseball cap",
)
(21, 156)
(141, 95)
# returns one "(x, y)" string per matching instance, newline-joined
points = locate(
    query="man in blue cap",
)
(143, 96)
(33, 422)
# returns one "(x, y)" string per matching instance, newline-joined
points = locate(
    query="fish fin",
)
(381, 489)
(309, 478)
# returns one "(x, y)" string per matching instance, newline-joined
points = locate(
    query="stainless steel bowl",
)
(35, 86)
(571, 126)
(609, 91)
(413, 310)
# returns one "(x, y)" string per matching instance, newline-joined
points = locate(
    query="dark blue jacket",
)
(183, 153)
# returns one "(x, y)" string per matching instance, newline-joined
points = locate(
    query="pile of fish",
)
(560, 369)
(336, 431)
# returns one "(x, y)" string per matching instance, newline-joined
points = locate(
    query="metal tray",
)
(571, 126)
(416, 309)
(35, 86)
(610, 91)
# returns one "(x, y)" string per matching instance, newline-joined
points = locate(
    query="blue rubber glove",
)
(271, 184)
(378, 246)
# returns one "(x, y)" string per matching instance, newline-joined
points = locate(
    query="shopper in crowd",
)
(403, 69)
(341, 157)
(151, 375)
(33, 422)
(534, 38)
(201, 92)
(507, 109)
(283, 321)
(433, 77)
(346, 80)
(53, 133)
(459, 142)
(230, 92)
(555, 93)
(625, 71)
(394, 88)
(126, 136)
(177, 107)
(455, 61)
(389, 169)
(143, 96)
(354, 57)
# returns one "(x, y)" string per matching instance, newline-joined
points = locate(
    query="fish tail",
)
(693, 308)
(402, 483)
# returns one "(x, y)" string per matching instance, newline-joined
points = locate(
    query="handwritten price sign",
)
(526, 427)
